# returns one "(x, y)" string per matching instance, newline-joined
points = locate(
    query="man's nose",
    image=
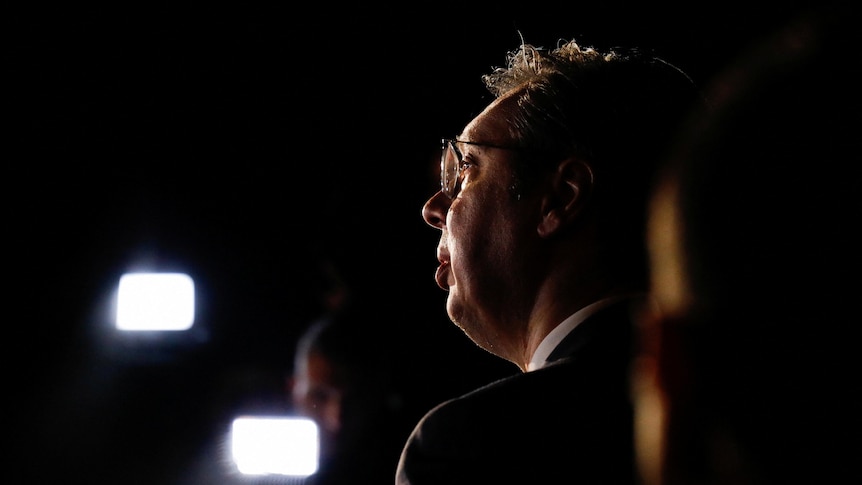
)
(434, 210)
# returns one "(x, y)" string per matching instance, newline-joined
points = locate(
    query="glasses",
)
(451, 164)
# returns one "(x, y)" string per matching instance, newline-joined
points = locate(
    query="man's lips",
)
(442, 275)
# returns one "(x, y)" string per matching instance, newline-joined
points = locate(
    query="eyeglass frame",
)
(450, 185)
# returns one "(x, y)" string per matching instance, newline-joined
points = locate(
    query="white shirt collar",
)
(555, 336)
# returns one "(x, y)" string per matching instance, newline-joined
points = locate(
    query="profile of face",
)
(485, 229)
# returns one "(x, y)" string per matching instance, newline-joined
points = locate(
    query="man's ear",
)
(571, 186)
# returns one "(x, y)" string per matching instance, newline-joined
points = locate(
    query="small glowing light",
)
(275, 445)
(155, 301)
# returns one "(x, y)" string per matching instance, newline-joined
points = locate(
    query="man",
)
(541, 214)
(748, 371)
(342, 380)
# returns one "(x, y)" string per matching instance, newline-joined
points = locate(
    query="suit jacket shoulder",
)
(570, 422)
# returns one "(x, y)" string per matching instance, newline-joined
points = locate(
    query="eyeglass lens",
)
(449, 169)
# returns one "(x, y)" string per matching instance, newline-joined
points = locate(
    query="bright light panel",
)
(155, 301)
(275, 445)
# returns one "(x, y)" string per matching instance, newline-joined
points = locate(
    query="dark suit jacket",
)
(567, 423)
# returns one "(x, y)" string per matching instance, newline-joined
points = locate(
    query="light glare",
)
(275, 445)
(155, 301)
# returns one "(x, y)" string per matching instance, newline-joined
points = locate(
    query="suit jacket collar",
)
(611, 322)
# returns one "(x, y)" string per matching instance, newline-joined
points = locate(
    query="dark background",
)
(251, 146)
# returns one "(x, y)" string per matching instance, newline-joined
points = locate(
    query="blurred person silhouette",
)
(542, 214)
(342, 379)
(748, 370)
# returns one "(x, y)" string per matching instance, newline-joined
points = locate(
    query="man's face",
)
(317, 393)
(483, 231)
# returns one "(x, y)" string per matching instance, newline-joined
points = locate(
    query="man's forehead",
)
(491, 125)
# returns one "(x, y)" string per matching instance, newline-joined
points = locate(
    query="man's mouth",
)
(442, 275)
